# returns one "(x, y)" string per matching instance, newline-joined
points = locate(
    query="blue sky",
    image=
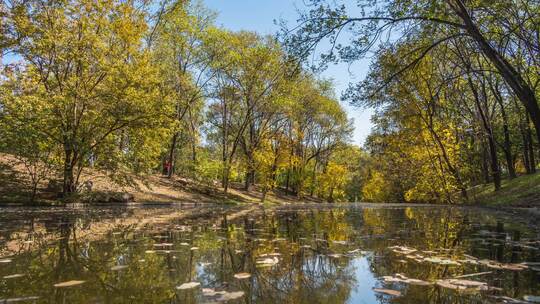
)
(259, 16)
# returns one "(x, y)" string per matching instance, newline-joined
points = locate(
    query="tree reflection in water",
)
(318, 251)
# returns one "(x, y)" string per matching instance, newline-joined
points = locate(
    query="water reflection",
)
(293, 255)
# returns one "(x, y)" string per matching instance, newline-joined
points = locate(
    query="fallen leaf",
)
(14, 276)
(189, 285)
(68, 283)
(390, 292)
(242, 275)
(533, 299)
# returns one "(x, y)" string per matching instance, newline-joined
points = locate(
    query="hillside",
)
(523, 191)
(15, 188)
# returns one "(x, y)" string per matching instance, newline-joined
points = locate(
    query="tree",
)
(496, 29)
(90, 78)
(183, 51)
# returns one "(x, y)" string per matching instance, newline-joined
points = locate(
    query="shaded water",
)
(287, 255)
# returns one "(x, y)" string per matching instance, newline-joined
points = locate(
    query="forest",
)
(129, 87)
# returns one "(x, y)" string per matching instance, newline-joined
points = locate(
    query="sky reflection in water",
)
(294, 255)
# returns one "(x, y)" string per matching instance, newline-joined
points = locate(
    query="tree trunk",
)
(494, 162)
(530, 148)
(514, 80)
(525, 145)
(485, 164)
(172, 154)
(486, 123)
(507, 146)
(69, 186)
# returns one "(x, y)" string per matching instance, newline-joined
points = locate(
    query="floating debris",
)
(533, 299)
(459, 284)
(402, 249)
(14, 276)
(194, 248)
(441, 261)
(335, 255)
(273, 254)
(242, 275)
(21, 299)
(473, 275)
(5, 261)
(267, 262)
(189, 285)
(221, 296)
(68, 283)
(508, 300)
(503, 266)
(404, 279)
(390, 292)
(119, 267)
(163, 245)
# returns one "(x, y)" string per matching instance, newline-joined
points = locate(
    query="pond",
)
(293, 254)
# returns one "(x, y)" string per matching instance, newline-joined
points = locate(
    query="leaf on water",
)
(242, 275)
(336, 255)
(403, 279)
(503, 266)
(441, 261)
(446, 284)
(69, 283)
(189, 285)
(402, 249)
(533, 299)
(230, 296)
(14, 276)
(473, 275)
(118, 267)
(508, 300)
(209, 292)
(21, 299)
(221, 296)
(267, 262)
(390, 292)
(460, 284)
(163, 245)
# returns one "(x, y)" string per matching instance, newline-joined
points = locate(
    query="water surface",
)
(298, 254)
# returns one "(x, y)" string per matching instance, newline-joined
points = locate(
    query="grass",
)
(523, 191)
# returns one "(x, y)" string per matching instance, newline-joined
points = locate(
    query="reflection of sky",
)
(365, 281)
(259, 15)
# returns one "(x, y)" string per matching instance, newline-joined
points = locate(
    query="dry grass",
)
(14, 188)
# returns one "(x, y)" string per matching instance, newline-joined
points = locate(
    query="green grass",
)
(523, 191)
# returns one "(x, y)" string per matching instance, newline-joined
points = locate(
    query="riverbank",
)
(15, 189)
(520, 192)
